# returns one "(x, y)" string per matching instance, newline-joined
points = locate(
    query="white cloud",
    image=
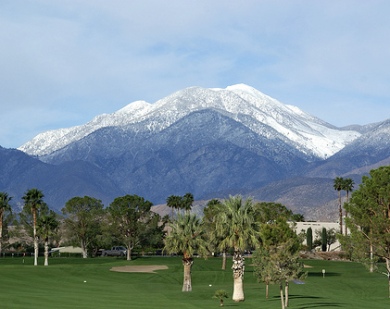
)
(76, 59)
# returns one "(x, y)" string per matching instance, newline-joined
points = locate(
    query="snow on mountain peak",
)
(307, 133)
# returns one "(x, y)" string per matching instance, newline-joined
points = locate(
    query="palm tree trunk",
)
(187, 284)
(46, 252)
(238, 275)
(340, 214)
(346, 215)
(1, 232)
(281, 295)
(35, 237)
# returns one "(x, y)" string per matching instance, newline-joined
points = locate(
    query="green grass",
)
(61, 285)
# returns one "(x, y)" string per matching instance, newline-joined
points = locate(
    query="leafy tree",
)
(83, 220)
(338, 184)
(348, 184)
(369, 220)
(47, 227)
(186, 237)
(130, 215)
(33, 200)
(269, 211)
(237, 229)
(278, 260)
(5, 207)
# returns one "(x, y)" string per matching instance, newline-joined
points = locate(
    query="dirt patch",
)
(139, 268)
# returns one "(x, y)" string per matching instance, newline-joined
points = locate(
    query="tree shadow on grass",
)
(320, 274)
(315, 302)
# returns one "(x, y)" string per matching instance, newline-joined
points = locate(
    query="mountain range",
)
(211, 142)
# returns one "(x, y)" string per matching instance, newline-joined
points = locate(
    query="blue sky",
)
(64, 62)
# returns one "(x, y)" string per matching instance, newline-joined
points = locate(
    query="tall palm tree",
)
(4, 207)
(187, 201)
(33, 200)
(47, 226)
(238, 230)
(186, 237)
(210, 213)
(338, 184)
(174, 202)
(348, 184)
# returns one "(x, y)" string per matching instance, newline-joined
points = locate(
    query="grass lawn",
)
(61, 285)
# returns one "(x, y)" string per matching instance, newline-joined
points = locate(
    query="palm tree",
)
(186, 237)
(174, 202)
(347, 187)
(33, 200)
(187, 201)
(220, 294)
(4, 207)
(47, 225)
(210, 213)
(237, 228)
(338, 184)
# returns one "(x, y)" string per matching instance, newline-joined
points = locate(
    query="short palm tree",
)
(186, 237)
(33, 200)
(338, 184)
(4, 207)
(220, 294)
(238, 230)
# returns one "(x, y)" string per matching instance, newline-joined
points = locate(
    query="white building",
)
(317, 226)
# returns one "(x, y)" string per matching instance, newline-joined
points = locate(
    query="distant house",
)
(317, 226)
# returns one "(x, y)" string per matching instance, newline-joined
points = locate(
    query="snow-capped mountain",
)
(210, 142)
(244, 104)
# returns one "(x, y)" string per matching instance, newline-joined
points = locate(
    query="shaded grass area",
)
(61, 285)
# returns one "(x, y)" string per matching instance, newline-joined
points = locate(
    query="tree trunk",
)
(371, 258)
(1, 233)
(238, 275)
(84, 249)
(129, 250)
(187, 284)
(281, 295)
(266, 290)
(346, 215)
(224, 260)
(46, 252)
(35, 238)
(388, 274)
(340, 214)
(286, 294)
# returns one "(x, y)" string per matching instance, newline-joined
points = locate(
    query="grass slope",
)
(61, 285)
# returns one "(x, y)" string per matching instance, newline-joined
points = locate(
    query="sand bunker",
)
(139, 268)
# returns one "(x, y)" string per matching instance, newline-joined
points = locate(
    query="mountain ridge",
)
(310, 135)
